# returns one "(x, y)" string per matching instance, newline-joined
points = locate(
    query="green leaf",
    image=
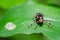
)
(27, 37)
(21, 16)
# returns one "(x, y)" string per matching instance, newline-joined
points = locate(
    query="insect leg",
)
(33, 23)
(46, 22)
(49, 23)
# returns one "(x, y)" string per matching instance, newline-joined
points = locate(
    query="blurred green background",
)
(9, 5)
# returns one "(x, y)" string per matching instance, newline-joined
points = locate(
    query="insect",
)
(39, 20)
